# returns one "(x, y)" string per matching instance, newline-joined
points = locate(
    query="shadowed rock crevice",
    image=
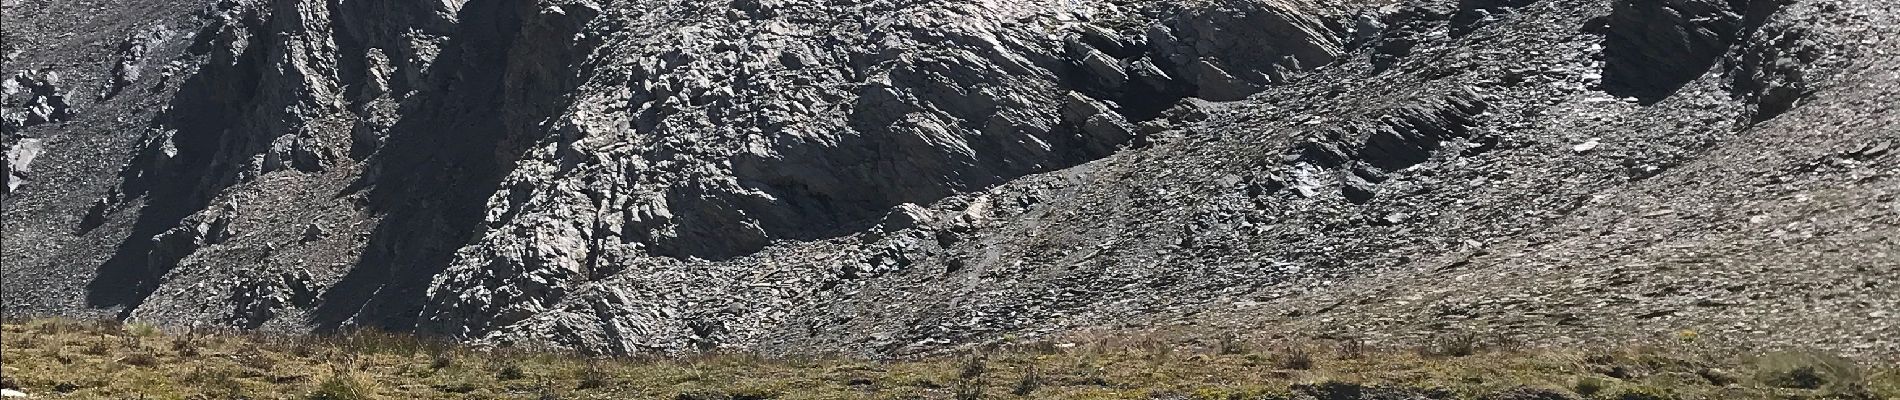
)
(459, 137)
(1653, 48)
(1779, 62)
(191, 153)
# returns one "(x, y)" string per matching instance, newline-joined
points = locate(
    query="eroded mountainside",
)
(895, 176)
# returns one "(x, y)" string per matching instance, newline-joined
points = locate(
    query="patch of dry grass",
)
(99, 360)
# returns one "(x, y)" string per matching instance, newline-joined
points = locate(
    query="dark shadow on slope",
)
(1654, 48)
(205, 114)
(432, 181)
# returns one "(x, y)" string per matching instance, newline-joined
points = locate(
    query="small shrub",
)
(59, 354)
(343, 358)
(1645, 393)
(1089, 372)
(1230, 343)
(1688, 335)
(1030, 381)
(303, 346)
(105, 326)
(970, 389)
(132, 342)
(223, 382)
(594, 375)
(255, 359)
(187, 345)
(1529, 393)
(140, 359)
(143, 330)
(1241, 393)
(98, 347)
(57, 326)
(1590, 386)
(506, 362)
(457, 387)
(1254, 360)
(971, 382)
(700, 394)
(342, 384)
(1043, 347)
(1155, 348)
(375, 341)
(756, 392)
(1455, 345)
(1351, 349)
(441, 357)
(973, 367)
(28, 341)
(510, 370)
(546, 392)
(744, 393)
(1808, 370)
(1504, 343)
(1293, 357)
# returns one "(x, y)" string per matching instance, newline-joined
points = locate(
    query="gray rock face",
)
(19, 162)
(133, 57)
(808, 121)
(1234, 49)
(511, 151)
(888, 177)
(34, 98)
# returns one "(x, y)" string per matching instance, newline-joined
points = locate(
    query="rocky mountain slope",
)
(894, 176)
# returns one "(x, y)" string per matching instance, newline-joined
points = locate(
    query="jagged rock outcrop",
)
(1234, 49)
(19, 163)
(1361, 154)
(801, 121)
(579, 148)
(889, 177)
(34, 98)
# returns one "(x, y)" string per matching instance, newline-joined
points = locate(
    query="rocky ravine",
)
(891, 177)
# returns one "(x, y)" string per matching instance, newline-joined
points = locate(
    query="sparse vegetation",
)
(1293, 357)
(1452, 345)
(971, 380)
(343, 384)
(1350, 349)
(50, 357)
(140, 359)
(593, 376)
(441, 356)
(510, 371)
(1028, 383)
(1812, 370)
(1591, 386)
(1230, 343)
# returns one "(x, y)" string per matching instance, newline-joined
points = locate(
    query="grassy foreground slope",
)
(55, 358)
